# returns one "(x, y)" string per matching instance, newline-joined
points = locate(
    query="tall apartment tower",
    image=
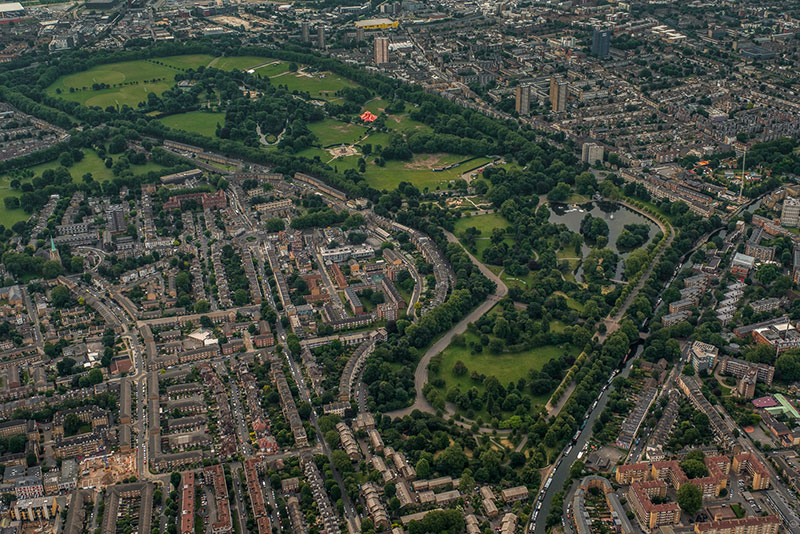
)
(523, 104)
(591, 153)
(304, 30)
(558, 94)
(381, 50)
(321, 37)
(601, 41)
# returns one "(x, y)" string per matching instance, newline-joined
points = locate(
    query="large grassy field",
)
(485, 223)
(377, 139)
(198, 122)
(418, 171)
(130, 81)
(241, 63)
(334, 132)
(189, 61)
(310, 153)
(321, 85)
(9, 217)
(506, 366)
(92, 164)
(375, 106)
(404, 123)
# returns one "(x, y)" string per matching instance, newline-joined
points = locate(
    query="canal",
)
(561, 473)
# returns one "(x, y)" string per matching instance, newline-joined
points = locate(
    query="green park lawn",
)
(506, 366)
(241, 63)
(334, 132)
(130, 81)
(200, 122)
(320, 85)
(342, 164)
(418, 171)
(557, 326)
(9, 217)
(274, 68)
(186, 62)
(485, 223)
(375, 106)
(404, 123)
(376, 139)
(522, 282)
(312, 152)
(90, 164)
(571, 302)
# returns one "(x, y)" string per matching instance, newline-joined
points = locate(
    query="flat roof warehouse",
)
(11, 11)
(375, 24)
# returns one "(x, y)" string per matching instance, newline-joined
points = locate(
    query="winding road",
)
(421, 373)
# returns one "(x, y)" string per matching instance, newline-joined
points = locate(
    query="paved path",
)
(554, 410)
(612, 323)
(421, 373)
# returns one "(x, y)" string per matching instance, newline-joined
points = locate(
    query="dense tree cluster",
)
(594, 230)
(633, 236)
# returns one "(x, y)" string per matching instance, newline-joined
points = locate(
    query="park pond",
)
(616, 217)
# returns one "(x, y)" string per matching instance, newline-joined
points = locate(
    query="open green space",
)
(322, 85)
(313, 152)
(334, 132)
(199, 122)
(273, 68)
(129, 83)
(557, 326)
(91, 163)
(242, 63)
(574, 304)
(506, 366)
(344, 163)
(376, 139)
(486, 223)
(9, 217)
(404, 123)
(419, 171)
(376, 106)
(189, 61)
(522, 282)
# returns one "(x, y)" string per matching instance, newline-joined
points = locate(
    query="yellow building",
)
(626, 474)
(749, 463)
(377, 24)
(649, 515)
(38, 509)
